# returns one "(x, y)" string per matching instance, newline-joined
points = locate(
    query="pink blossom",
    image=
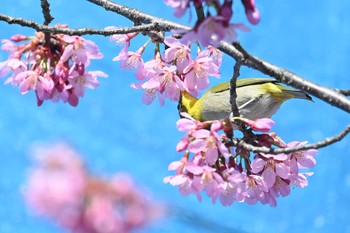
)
(198, 71)
(166, 82)
(210, 143)
(251, 11)
(271, 167)
(122, 39)
(49, 68)
(230, 177)
(213, 30)
(179, 5)
(256, 189)
(12, 65)
(149, 95)
(130, 60)
(270, 139)
(304, 158)
(87, 80)
(80, 50)
(162, 82)
(150, 68)
(18, 38)
(233, 188)
(187, 125)
(178, 52)
(281, 187)
(214, 53)
(8, 46)
(261, 125)
(301, 179)
(31, 80)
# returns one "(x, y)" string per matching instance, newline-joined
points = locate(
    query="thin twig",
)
(200, 12)
(233, 92)
(343, 92)
(320, 144)
(45, 6)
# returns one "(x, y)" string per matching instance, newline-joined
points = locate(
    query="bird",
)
(256, 98)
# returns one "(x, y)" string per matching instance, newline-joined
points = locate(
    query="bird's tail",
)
(297, 94)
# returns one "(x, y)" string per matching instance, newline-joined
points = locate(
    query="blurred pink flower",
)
(212, 30)
(60, 188)
(251, 11)
(179, 5)
(57, 185)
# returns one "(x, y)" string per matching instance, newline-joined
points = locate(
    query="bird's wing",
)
(241, 83)
(248, 102)
(254, 81)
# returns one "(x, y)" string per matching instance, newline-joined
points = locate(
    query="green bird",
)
(256, 98)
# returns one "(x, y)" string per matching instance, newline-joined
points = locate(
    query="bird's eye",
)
(179, 106)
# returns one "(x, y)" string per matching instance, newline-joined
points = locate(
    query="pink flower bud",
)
(18, 38)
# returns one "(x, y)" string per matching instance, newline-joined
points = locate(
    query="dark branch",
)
(136, 15)
(324, 93)
(320, 144)
(282, 75)
(233, 93)
(78, 32)
(45, 6)
(343, 92)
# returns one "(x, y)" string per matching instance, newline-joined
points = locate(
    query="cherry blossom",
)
(251, 11)
(211, 164)
(55, 70)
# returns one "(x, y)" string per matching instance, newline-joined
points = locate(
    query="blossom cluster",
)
(54, 66)
(211, 164)
(213, 29)
(61, 188)
(169, 72)
(166, 74)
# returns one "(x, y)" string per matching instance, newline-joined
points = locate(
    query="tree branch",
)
(326, 94)
(78, 32)
(137, 16)
(320, 144)
(343, 92)
(45, 6)
(285, 76)
(233, 93)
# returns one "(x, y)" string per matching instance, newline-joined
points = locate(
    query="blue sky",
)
(111, 127)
